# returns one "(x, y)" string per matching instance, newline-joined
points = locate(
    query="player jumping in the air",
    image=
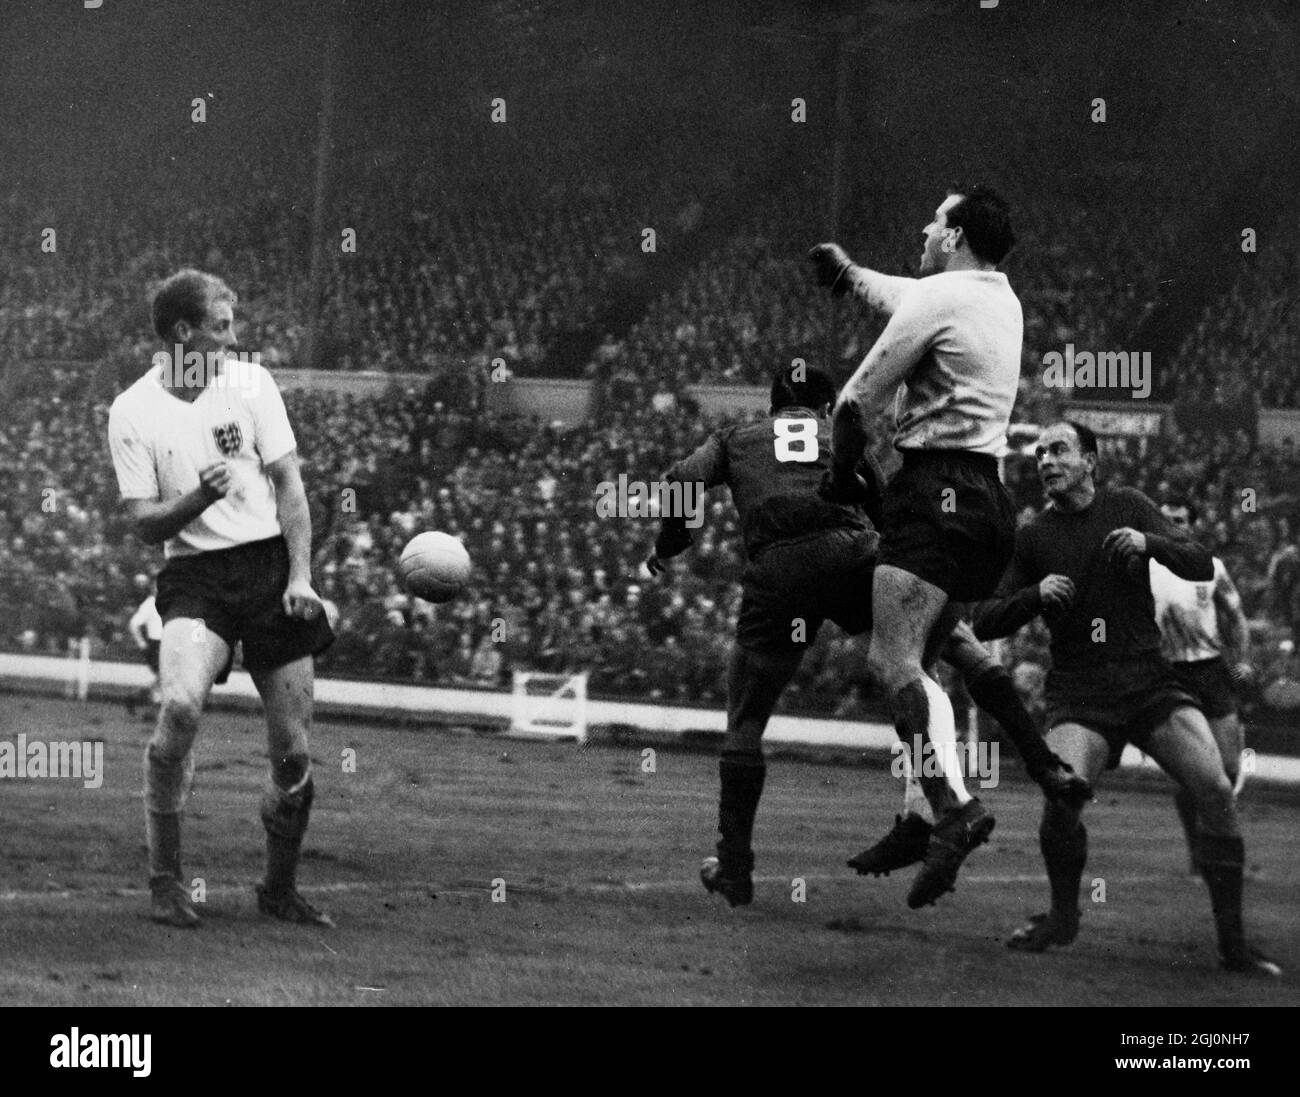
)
(1195, 620)
(207, 463)
(1082, 564)
(952, 350)
(807, 559)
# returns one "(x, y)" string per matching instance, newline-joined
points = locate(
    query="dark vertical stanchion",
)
(320, 187)
(838, 143)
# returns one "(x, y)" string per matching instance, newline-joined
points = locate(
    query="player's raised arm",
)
(838, 273)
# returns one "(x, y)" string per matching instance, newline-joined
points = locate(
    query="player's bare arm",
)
(1233, 626)
(155, 521)
(300, 600)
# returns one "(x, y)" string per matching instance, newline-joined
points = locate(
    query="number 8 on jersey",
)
(795, 440)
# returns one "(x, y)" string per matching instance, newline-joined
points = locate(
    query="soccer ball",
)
(434, 566)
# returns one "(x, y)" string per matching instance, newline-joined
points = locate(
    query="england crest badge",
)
(230, 439)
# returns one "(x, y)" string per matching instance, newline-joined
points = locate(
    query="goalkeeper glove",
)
(832, 265)
(673, 539)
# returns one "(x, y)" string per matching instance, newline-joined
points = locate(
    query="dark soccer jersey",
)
(1111, 600)
(773, 467)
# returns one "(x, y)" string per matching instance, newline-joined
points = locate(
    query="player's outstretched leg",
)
(286, 804)
(992, 689)
(1186, 750)
(755, 681)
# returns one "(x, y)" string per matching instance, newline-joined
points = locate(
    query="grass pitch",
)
(597, 859)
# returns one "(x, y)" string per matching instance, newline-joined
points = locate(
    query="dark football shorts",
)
(1210, 683)
(948, 520)
(791, 587)
(236, 593)
(1123, 702)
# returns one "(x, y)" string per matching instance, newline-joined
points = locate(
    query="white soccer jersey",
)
(960, 334)
(160, 443)
(1189, 625)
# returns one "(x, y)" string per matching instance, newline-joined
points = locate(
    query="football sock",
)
(914, 801)
(742, 774)
(166, 784)
(285, 815)
(1186, 805)
(922, 712)
(1221, 861)
(995, 693)
(1065, 852)
(163, 831)
(167, 779)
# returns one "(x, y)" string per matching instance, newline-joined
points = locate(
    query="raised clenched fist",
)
(831, 263)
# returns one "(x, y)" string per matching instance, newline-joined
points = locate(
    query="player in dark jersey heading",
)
(1082, 564)
(808, 559)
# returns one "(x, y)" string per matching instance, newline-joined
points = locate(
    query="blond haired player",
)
(207, 465)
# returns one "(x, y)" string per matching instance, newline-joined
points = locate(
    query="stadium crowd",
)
(509, 269)
(493, 271)
(555, 587)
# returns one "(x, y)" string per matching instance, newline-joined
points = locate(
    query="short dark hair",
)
(812, 390)
(1181, 502)
(186, 295)
(1086, 435)
(985, 218)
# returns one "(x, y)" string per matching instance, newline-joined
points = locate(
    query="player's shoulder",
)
(963, 284)
(249, 378)
(1037, 530)
(749, 431)
(137, 398)
(1121, 495)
